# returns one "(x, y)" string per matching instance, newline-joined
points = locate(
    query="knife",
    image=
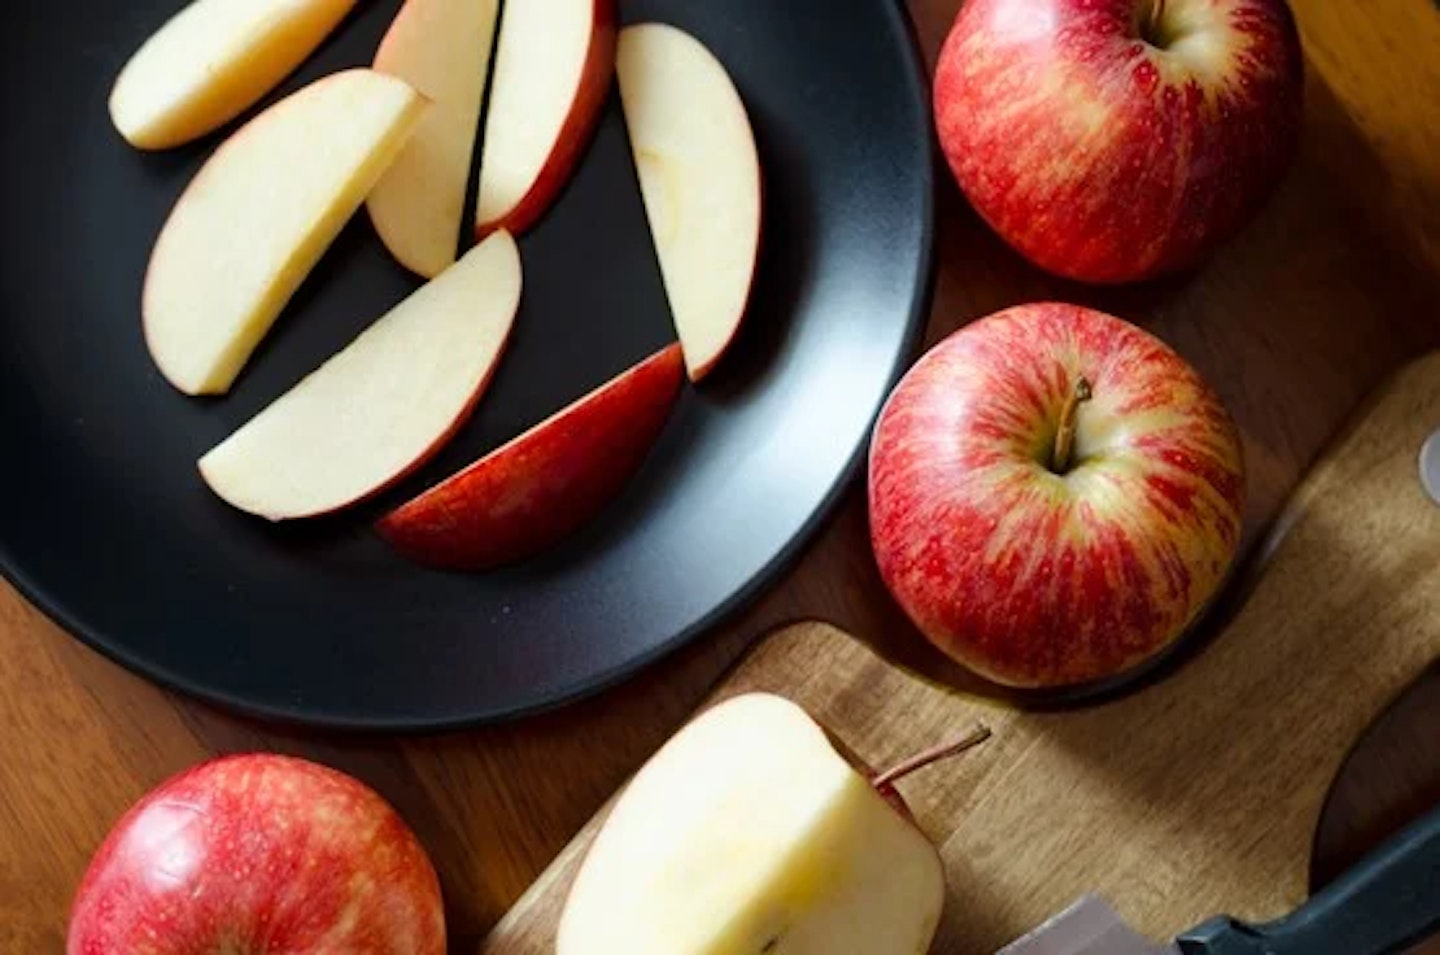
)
(1387, 903)
(1430, 466)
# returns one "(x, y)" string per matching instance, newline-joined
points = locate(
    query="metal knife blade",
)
(1430, 466)
(1089, 927)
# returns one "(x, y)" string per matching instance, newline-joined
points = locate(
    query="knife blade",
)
(1430, 466)
(1387, 903)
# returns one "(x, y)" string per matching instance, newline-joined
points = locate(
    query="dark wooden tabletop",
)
(1335, 285)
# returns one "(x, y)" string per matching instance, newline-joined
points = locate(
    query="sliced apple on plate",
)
(212, 61)
(749, 833)
(537, 489)
(382, 406)
(553, 66)
(259, 215)
(442, 48)
(700, 177)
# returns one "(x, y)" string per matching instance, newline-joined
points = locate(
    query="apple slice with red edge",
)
(384, 405)
(259, 853)
(543, 485)
(553, 65)
(258, 217)
(212, 61)
(700, 177)
(442, 48)
(754, 831)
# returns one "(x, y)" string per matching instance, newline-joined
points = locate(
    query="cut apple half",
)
(553, 67)
(258, 217)
(382, 406)
(537, 489)
(700, 177)
(212, 61)
(749, 833)
(442, 48)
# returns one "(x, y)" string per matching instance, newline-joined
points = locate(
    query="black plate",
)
(106, 525)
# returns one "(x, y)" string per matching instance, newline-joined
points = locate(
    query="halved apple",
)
(748, 833)
(552, 73)
(700, 176)
(382, 406)
(212, 61)
(543, 485)
(259, 215)
(442, 48)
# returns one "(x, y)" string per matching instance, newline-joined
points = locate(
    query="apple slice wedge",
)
(544, 484)
(553, 66)
(382, 406)
(700, 176)
(442, 48)
(212, 61)
(258, 217)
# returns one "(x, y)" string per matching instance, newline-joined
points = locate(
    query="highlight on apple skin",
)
(542, 486)
(1122, 140)
(1055, 496)
(212, 61)
(553, 65)
(259, 853)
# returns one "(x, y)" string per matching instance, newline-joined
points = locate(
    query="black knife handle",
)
(1387, 903)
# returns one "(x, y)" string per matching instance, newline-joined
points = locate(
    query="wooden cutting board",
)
(1196, 795)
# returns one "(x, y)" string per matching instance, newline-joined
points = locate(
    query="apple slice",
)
(538, 488)
(552, 73)
(259, 215)
(212, 61)
(442, 48)
(700, 176)
(382, 406)
(749, 833)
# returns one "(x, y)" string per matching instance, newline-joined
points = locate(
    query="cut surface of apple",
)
(442, 49)
(382, 406)
(700, 176)
(553, 66)
(748, 834)
(258, 217)
(212, 61)
(538, 488)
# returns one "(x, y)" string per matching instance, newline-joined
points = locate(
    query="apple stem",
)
(919, 761)
(1153, 32)
(1065, 437)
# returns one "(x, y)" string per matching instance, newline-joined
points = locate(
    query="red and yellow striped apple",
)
(259, 853)
(1117, 140)
(1055, 495)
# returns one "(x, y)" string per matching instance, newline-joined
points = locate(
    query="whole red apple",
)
(254, 855)
(1055, 495)
(1117, 140)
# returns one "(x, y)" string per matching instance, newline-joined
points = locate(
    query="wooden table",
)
(1334, 286)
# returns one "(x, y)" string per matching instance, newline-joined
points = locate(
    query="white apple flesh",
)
(212, 61)
(382, 406)
(748, 834)
(553, 65)
(441, 48)
(700, 177)
(258, 217)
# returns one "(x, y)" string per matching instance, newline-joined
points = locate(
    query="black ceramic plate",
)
(106, 525)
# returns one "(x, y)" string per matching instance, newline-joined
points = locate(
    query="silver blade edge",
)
(1088, 927)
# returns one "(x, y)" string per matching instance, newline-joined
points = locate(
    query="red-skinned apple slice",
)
(442, 48)
(258, 217)
(212, 61)
(700, 176)
(553, 66)
(538, 488)
(382, 406)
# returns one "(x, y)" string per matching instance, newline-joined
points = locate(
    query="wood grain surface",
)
(1335, 286)
(1196, 796)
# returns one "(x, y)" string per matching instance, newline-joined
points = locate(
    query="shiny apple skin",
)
(259, 855)
(1030, 578)
(1103, 158)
